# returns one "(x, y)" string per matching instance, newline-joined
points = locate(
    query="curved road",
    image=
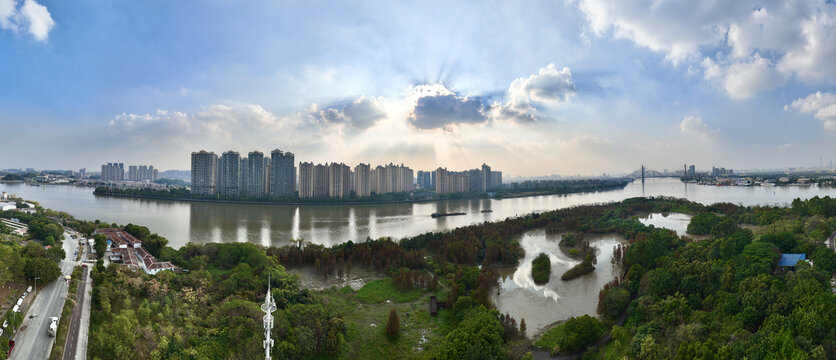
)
(32, 340)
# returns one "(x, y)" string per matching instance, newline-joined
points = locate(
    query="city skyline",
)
(577, 87)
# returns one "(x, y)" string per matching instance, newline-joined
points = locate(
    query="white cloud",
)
(437, 107)
(821, 105)
(30, 16)
(212, 124)
(799, 37)
(40, 22)
(743, 80)
(695, 125)
(548, 85)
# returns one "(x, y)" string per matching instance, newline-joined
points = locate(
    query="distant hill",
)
(185, 175)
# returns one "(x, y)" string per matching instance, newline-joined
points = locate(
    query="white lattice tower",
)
(268, 307)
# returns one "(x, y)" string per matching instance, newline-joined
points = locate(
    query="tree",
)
(33, 249)
(522, 326)
(541, 268)
(100, 244)
(49, 241)
(43, 268)
(393, 325)
(56, 254)
(478, 336)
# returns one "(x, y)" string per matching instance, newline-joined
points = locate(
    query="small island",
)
(585, 267)
(541, 269)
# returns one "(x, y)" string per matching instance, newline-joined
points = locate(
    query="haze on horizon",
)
(565, 87)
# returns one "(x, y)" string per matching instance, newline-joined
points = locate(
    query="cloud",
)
(821, 105)
(548, 85)
(437, 107)
(694, 125)
(361, 113)
(212, 123)
(799, 37)
(30, 16)
(743, 80)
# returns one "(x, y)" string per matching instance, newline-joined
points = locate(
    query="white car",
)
(5, 323)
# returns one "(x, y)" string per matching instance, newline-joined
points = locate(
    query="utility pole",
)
(268, 307)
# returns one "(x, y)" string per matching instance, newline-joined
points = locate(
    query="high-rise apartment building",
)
(204, 172)
(486, 178)
(230, 170)
(256, 175)
(113, 172)
(306, 173)
(282, 174)
(361, 180)
(320, 181)
(141, 173)
(425, 179)
(339, 180)
(496, 179)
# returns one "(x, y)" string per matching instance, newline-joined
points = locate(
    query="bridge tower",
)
(268, 307)
(642, 174)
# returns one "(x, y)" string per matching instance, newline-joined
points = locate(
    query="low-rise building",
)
(128, 250)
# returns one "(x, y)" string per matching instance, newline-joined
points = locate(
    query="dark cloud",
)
(361, 114)
(434, 112)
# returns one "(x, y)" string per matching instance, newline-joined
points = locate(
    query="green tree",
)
(56, 254)
(44, 268)
(478, 336)
(33, 249)
(49, 241)
(100, 244)
(393, 325)
(541, 268)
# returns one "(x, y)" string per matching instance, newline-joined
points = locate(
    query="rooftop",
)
(791, 259)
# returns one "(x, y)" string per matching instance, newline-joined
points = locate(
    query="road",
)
(32, 340)
(75, 322)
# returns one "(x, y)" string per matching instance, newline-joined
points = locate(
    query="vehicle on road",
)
(33, 316)
(11, 347)
(5, 323)
(53, 327)
(83, 265)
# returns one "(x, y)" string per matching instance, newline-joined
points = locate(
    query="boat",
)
(487, 211)
(438, 215)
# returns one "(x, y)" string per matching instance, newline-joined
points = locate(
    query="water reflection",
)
(677, 222)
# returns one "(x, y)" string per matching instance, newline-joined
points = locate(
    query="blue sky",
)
(532, 88)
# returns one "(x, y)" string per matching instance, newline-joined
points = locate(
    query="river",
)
(183, 222)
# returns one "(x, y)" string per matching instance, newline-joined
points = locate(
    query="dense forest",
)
(721, 297)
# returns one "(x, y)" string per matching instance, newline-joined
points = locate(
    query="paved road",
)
(75, 322)
(32, 341)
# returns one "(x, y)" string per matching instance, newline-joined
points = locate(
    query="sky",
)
(574, 87)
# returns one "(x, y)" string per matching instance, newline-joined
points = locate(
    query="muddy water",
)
(541, 305)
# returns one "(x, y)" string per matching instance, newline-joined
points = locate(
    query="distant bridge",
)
(647, 174)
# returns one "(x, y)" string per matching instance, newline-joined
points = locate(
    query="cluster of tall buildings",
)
(338, 180)
(690, 171)
(259, 176)
(116, 172)
(254, 176)
(473, 180)
(715, 171)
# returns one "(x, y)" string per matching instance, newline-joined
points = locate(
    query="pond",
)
(677, 222)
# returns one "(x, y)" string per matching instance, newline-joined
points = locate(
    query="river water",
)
(183, 222)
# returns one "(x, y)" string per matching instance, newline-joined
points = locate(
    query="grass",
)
(378, 291)
(365, 341)
(66, 315)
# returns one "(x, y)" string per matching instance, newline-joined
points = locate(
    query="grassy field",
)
(366, 312)
(378, 291)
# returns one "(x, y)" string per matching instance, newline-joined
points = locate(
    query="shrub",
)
(541, 269)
